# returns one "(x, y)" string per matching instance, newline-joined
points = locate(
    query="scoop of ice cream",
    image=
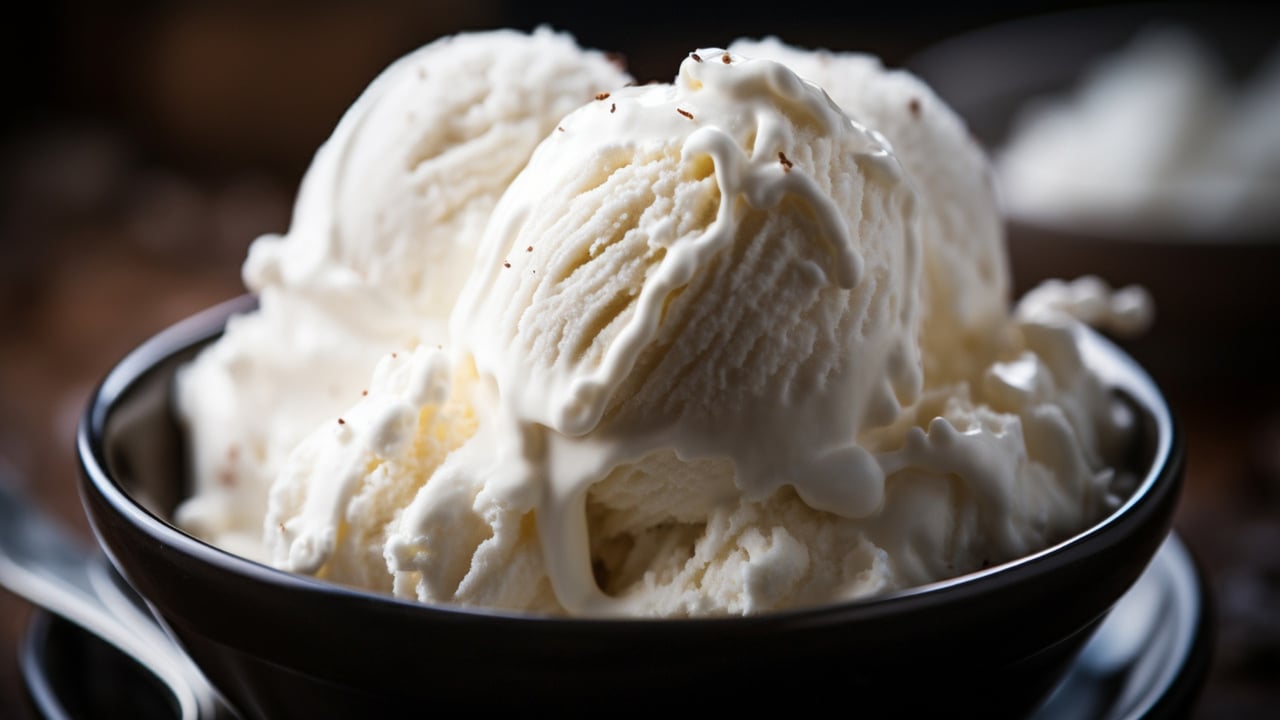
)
(625, 303)
(684, 378)
(396, 199)
(967, 285)
(634, 278)
(383, 233)
(1156, 136)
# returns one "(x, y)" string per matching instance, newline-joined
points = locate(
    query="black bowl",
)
(281, 645)
(1217, 306)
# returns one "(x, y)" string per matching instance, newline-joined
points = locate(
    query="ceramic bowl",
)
(279, 645)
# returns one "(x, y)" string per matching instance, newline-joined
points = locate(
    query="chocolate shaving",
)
(613, 107)
(696, 57)
(786, 164)
(602, 96)
(725, 58)
(685, 113)
(914, 107)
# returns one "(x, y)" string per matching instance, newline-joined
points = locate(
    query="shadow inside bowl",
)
(281, 645)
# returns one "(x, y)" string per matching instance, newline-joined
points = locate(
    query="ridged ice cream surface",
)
(725, 345)
(967, 285)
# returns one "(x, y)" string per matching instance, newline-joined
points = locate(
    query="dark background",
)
(239, 84)
(146, 144)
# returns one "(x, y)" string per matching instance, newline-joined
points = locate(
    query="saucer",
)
(1150, 656)
(72, 674)
(1148, 659)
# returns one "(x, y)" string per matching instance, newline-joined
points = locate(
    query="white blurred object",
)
(1156, 135)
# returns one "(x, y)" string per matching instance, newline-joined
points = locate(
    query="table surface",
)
(100, 247)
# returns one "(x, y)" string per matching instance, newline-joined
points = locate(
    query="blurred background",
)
(146, 144)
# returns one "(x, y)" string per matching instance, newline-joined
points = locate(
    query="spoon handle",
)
(42, 562)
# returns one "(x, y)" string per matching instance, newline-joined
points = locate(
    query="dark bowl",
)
(1217, 304)
(281, 645)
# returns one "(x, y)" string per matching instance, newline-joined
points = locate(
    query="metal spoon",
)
(43, 562)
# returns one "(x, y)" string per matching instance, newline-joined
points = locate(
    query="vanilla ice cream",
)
(966, 290)
(724, 347)
(383, 234)
(1156, 136)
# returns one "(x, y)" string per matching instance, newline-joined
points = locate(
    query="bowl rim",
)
(1162, 477)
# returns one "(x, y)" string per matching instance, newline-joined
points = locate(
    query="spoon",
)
(44, 563)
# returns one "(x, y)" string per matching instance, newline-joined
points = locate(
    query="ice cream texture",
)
(384, 230)
(731, 344)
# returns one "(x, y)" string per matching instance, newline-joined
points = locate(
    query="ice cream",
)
(724, 347)
(1187, 151)
(383, 233)
(966, 288)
